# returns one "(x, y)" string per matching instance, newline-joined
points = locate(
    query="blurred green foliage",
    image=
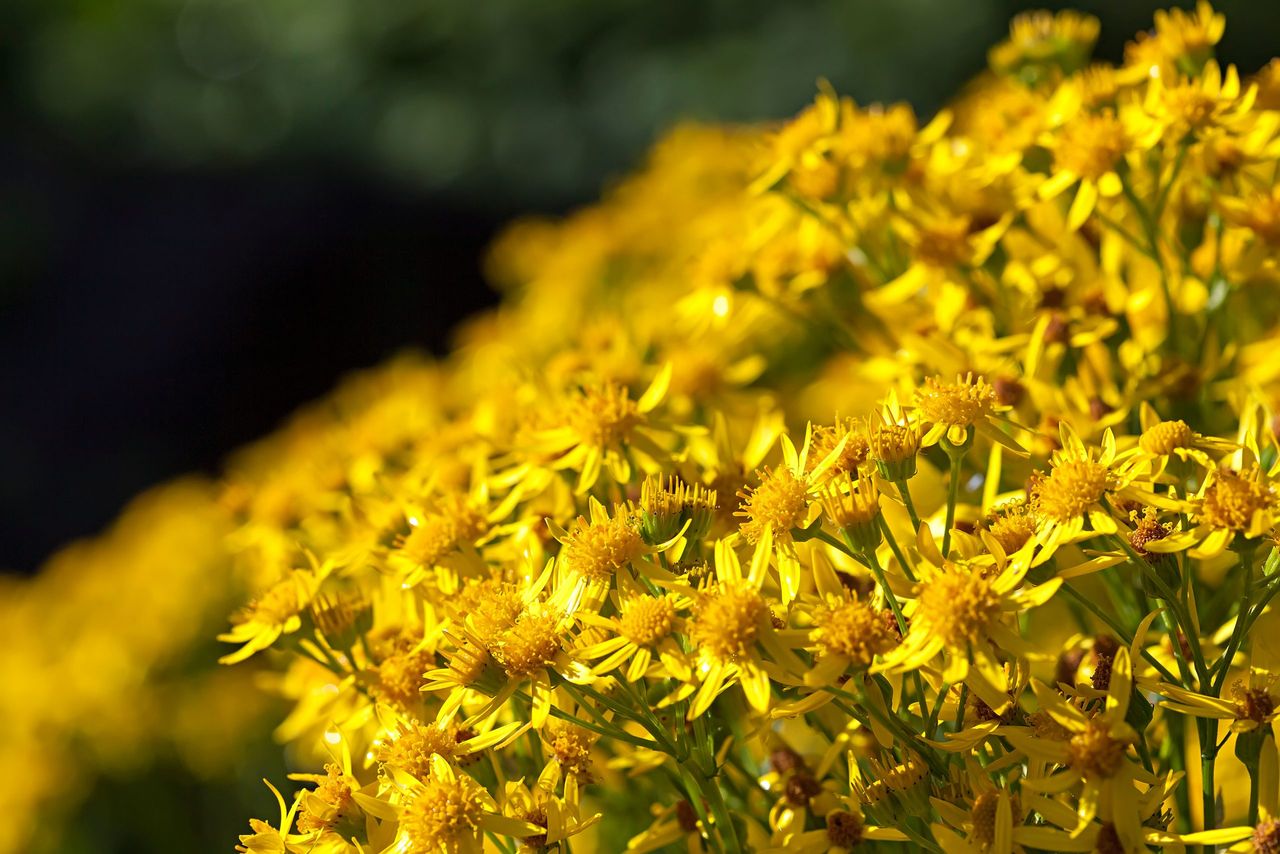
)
(526, 102)
(532, 100)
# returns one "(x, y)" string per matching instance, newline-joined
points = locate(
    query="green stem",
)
(723, 819)
(905, 492)
(848, 549)
(660, 736)
(892, 722)
(1253, 796)
(693, 790)
(1208, 759)
(874, 563)
(1172, 750)
(953, 494)
(610, 731)
(897, 552)
(1242, 617)
(1175, 640)
(1261, 606)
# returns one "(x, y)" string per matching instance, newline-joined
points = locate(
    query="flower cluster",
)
(850, 482)
(106, 668)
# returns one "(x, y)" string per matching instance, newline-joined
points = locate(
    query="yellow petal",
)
(1083, 204)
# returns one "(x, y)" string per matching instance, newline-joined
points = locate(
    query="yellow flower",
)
(731, 628)
(1253, 704)
(1231, 509)
(266, 839)
(1095, 754)
(962, 611)
(940, 243)
(953, 410)
(278, 611)
(1191, 108)
(782, 503)
(560, 817)
(644, 629)
(1086, 153)
(1074, 490)
(847, 632)
(594, 553)
(605, 429)
(1041, 40)
(1188, 39)
(450, 812)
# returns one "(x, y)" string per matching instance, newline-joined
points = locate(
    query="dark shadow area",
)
(175, 316)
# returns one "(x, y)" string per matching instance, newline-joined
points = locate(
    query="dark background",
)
(212, 209)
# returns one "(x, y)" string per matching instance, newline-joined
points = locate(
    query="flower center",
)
(600, 549)
(413, 749)
(852, 629)
(647, 621)
(825, 439)
(572, 748)
(1013, 527)
(1094, 752)
(1253, 704)
(1149, 529)
(276, 605)
(529, 645)
(1266, 837)
(1108, 841)
(1231, 501)
(983, 815)
(961, 403)
(958, 606)
(727, 625)
(335, 795)
(1091, 145)
(944, 243)
(400, 676)
(605, 417)
(778, 504)
(1164, 437)
(844, 829)
(1072, 488)
(1190, 105)
(443, 814)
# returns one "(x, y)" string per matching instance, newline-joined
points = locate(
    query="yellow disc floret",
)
(962, 403)
(530, 645)
(1164, 438)
(647, 620)
(443, 814)
(778, 504)
(727, 624)
(600, 549)
(1232, 500)
(571, 747)
(604, 417)
(1072, 487)
(1095, 752)
(958, 606)
(413, 748)
(1012, 526)
(852, 629)
(1092, 145)
(983, 814)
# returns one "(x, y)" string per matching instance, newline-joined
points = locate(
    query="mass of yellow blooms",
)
(849, 483)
